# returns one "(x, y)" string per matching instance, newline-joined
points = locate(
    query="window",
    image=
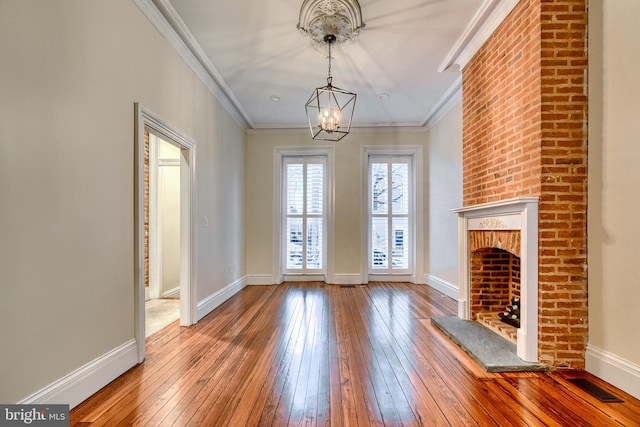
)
(305, 219)
(390, 214)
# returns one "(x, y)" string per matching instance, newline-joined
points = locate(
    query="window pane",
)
(390, 199)
(400, 243)
(303, 249)
(294, 243)
(379, 188)
(315, 188)
(379, 252)
(400, 188)
(314, 243)
(295, 196)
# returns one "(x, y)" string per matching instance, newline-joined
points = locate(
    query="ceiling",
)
(255, 53)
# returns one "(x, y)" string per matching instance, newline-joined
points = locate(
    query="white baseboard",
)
(77, 386)
(409, 278)
(613, 369)
(304, 278)
(346, 279)
(336, 279)
(208, 304)
(172, 293)
(264, 279)
(449, 289)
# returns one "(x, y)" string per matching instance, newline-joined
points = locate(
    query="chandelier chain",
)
(329, 78)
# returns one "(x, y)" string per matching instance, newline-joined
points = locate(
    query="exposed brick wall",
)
(502, 113)
(524, 134)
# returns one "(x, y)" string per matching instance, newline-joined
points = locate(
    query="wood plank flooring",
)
(316, 354)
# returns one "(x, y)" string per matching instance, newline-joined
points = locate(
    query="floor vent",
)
(347, 286)
(594, 390)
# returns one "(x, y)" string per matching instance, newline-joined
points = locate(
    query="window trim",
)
(415, 153)
(280, 153)
(305, 216)
(389, 215)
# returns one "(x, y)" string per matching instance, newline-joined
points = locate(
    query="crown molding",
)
(354, 130)
(482, 26)
(444, 104)
(166, 20)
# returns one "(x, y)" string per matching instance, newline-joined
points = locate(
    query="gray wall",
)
(71, 73)
(613, 352)
(444, 174)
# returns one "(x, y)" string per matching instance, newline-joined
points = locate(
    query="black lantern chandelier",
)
(329, 108)
(328, 23)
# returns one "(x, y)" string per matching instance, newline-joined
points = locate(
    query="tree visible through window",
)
(389, 220)
(305, 214)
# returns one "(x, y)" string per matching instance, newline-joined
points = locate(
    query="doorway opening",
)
(164, 262)
(162, 233)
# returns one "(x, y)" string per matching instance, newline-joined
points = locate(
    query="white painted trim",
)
(361, 127)
(417, 202)
(78, 385)
(188, 230)
(451, 97)
(493, 215)
(449, 289)
(210, 303)
(171, 27)
(262, 279)
(485, 22)
(497, 207)
(410, 278)
(172, 293)
(347, 279)
(163, 16)
(613, 369)
(285, 129)
(338, 279)
(278, 154)
(305, 278)
(144, 119)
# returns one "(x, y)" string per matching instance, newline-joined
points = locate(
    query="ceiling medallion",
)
(340, 18)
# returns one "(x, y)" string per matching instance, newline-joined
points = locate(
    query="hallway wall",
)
(68, 83)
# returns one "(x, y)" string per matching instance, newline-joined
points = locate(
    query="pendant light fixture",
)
(329, 108)
(330, 23)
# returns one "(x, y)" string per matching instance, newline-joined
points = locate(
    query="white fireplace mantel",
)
(512, 214)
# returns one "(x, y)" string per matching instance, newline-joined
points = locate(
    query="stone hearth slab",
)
(493, 352)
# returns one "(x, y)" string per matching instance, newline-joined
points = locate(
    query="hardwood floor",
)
(316, 354)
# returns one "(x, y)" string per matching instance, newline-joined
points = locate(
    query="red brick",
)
(524, 107)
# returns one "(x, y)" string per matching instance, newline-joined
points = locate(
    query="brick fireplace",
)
(498, 260)
(524, 101)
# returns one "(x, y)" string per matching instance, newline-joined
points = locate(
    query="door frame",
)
(146, 120)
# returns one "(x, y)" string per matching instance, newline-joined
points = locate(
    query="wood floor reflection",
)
(316, 354)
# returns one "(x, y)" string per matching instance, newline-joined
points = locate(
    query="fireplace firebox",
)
(498, 244)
